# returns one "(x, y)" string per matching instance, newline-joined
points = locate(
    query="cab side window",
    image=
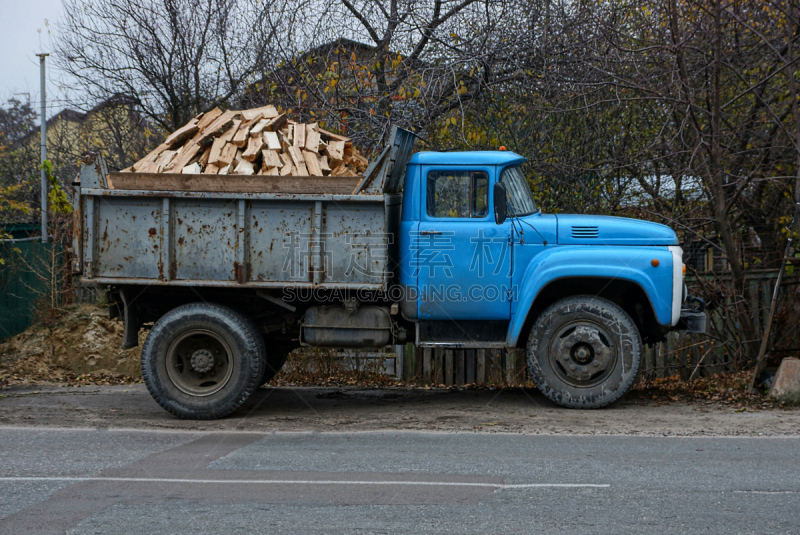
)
(457, 194)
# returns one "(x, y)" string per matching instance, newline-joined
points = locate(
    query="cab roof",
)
(476, 157)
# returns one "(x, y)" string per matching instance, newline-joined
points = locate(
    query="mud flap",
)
(130, 312)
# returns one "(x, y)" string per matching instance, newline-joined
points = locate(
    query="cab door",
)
(464, 259)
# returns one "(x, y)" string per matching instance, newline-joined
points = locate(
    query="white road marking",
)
(304, 482)
(767, 491)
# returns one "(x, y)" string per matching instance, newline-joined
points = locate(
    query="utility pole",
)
(43, 132)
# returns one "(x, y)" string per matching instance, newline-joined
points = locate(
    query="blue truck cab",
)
(441, 249)
(482, 266)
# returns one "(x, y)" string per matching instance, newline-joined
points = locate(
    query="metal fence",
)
(21, 282)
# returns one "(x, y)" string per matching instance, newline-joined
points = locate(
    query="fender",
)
(626, 263)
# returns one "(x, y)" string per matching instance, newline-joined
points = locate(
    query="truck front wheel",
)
(202, 361)
(584, 352)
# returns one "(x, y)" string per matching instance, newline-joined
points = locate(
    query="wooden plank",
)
(648, 364)
(204, 158)
(286, 142)
(448, 367)
(427, 365)
(254, 147)
(208, 118)
(258, 128)
(480, 366)
(216, 128)
(277, 123)
(230, 132)
(323, 165)
(330, 135)
(270, 171)
(299, 136)
(151, 157)
(179, 136)
(298, 161)
(360, 162)
(335, 151)
(410, 363)
(438, 362)
(510, 366)
(226, 156)
(150, 167)
(192, 169)
(241, 184)
(245, 167)
(189, 151)
(669, 355)
(469, 366)
(270, 158)
(165, 158)
(312, 163)
(312, 140)
(494, 362)
(458, 357)
(240, 139)
(271, 138)
(268, 112)
(216, 151)
(342, 170)
(211, 169)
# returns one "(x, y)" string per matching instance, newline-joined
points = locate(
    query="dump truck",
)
(440, 249)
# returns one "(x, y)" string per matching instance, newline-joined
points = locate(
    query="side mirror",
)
(500, 206)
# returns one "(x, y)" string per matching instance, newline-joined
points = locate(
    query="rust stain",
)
(152, 232)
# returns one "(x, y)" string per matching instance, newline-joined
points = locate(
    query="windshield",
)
(518, 192)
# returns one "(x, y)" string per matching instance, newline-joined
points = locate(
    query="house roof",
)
(68, 114)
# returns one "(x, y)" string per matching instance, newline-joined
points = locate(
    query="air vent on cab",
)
(585, 232)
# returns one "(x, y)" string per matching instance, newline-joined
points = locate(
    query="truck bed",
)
(261, 232)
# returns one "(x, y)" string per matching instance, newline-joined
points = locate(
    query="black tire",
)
(202, 361)
(276, 358)
(584, 352)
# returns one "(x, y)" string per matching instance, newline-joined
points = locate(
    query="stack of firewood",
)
(260, 141)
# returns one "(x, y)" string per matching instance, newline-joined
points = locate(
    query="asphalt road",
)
(144, 481)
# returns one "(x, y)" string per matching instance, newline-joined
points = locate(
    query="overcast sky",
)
(20, 40)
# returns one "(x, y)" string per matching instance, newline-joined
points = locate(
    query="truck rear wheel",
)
(584, 352)
(202, 361)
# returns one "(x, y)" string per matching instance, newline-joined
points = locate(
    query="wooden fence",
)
(462, 366)
(684, 355)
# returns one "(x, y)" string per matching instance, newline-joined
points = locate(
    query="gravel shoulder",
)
(324, 409)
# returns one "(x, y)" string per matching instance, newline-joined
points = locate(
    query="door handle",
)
(429, 232)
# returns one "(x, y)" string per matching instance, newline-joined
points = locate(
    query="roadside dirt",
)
(325, 409)
(81, 345)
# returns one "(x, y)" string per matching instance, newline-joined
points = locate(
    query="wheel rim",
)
(199, 363)
(583, 353)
